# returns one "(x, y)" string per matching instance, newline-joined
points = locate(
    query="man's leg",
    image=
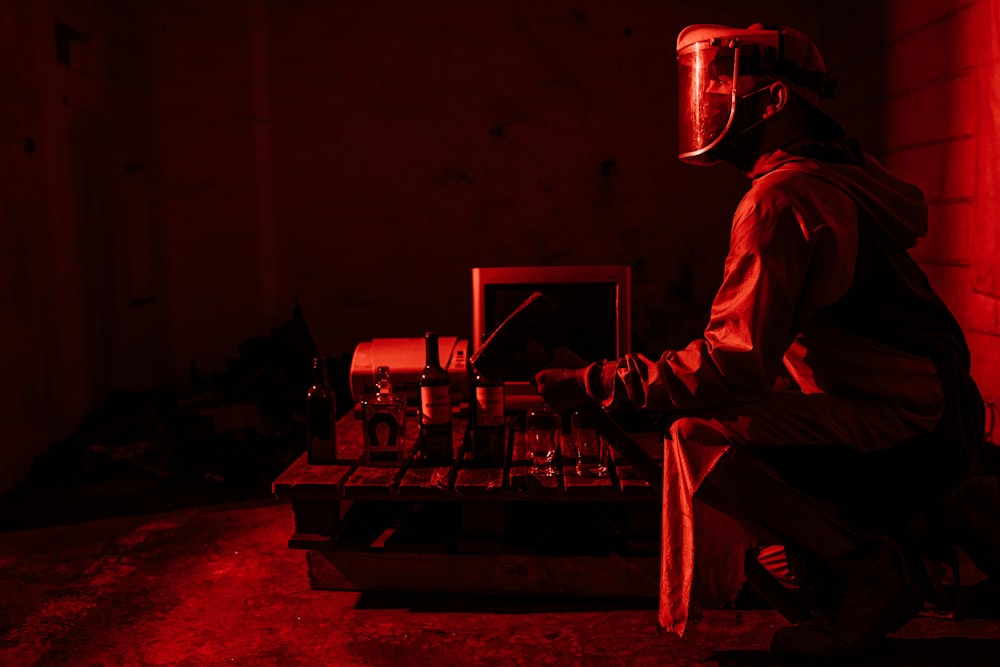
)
(745, 487)
(865, 590)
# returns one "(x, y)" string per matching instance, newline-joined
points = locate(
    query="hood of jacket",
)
(896, 206)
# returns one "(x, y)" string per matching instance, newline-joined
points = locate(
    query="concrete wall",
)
(198, 167)
(923, 78)
(78, 315)
(363, 157)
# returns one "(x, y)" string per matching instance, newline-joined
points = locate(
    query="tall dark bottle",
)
(436, 443)
(489, 435)
(321, 417)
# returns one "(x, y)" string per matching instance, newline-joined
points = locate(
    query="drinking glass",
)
(542, 429)
(591, 449)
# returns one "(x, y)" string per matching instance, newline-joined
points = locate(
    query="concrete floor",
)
(217, 585)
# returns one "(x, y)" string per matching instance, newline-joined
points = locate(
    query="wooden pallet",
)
(469, 529)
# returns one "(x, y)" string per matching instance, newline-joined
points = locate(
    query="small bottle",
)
(321, 417)
(384, 421)
(489, 435)
(436, 443)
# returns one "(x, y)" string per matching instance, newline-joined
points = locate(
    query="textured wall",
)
(23, 398)
(923, 78)
(364, 157)
(981, 284)
(75, 316)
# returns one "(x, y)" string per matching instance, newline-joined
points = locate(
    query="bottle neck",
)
(320, 375)
(431, 351)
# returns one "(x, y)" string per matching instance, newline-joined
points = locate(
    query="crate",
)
(473, 530)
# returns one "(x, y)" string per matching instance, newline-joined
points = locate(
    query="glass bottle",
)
(436, 443)
(384, 424)
(321, 417)
(489, 435)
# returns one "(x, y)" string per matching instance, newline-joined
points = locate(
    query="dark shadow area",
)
(742, 658)
(225, 440)
(497, 604)
(893, 652)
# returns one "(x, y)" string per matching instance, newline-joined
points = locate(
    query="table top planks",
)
(302, 480)
(352, 478)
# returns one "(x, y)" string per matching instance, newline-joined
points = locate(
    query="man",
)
(828, 402)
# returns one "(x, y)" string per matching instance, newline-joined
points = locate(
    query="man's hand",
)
(564, 388)
(563, 357)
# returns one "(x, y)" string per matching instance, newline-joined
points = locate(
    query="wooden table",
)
(469, 529)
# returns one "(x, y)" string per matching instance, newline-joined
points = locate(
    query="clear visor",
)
(707, 95)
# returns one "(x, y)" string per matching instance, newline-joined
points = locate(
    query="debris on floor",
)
(227, 438)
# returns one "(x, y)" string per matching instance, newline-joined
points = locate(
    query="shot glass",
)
(542, 429)
(591, 449)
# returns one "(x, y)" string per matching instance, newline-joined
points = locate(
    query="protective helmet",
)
(711, 61)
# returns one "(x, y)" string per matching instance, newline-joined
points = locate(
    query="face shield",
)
(721, 70)
(707, 86)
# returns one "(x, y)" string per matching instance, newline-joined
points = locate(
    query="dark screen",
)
(585, 321)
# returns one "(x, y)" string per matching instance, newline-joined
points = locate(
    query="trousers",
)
(819, 470)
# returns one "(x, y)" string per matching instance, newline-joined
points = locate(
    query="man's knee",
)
(701, 431)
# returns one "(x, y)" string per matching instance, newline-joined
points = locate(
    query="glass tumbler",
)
(542, 429)
(591, 449)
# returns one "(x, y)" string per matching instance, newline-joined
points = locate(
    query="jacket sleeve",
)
(754, 318)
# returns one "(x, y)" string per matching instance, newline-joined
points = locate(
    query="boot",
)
(788, 600)
(875, 595)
